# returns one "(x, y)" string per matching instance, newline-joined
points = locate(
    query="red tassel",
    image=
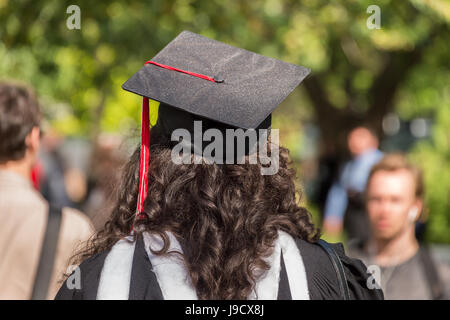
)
(198, 75)
(145, 149)
(145, 140)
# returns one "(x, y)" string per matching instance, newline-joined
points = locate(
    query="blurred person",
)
(75, 154)
(63, 178)
(106, 161)
(52, 183)
(36, 239)
(210, 229)
(395, 201)
(344, 207)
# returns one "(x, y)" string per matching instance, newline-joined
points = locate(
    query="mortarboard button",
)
(219, 79)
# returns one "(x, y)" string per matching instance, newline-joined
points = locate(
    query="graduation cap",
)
(195, 77)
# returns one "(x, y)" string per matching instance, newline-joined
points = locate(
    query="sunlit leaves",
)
(78, 73)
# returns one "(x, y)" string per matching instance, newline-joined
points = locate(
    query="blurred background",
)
(395, 79)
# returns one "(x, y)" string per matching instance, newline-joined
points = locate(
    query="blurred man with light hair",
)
(36, 239)
(394, 202)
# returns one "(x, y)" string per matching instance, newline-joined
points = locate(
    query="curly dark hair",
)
(226, 217)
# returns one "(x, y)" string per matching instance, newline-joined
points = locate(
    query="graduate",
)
(201, 212)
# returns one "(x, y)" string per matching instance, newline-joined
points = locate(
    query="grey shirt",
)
(407, 280)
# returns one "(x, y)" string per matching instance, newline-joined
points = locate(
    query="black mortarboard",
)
(253, 85)
(196, 77)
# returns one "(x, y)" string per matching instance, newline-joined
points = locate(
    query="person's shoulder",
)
(322, 276)
(314, 254)
(77, 217)
(441, 259)
(359, 278)
(319, 269)
(25, 202)
(76, 226)
(311, 252)
(93, 263)
(83, 282)
(24, 211)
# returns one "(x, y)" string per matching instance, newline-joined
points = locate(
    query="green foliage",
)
(78, 73)
(434, 159)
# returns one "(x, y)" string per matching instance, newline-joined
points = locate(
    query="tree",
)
(358, 74)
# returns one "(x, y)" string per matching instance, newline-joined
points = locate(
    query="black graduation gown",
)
(321, 276)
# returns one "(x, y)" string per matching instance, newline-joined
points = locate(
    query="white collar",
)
(173, 277)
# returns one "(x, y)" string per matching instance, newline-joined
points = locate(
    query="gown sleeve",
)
(89, 272)
(357, 277)
(322, 279)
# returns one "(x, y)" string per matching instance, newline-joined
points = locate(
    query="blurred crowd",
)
(74, 172)
(54, 188)
(54, 194)
(376, 203)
